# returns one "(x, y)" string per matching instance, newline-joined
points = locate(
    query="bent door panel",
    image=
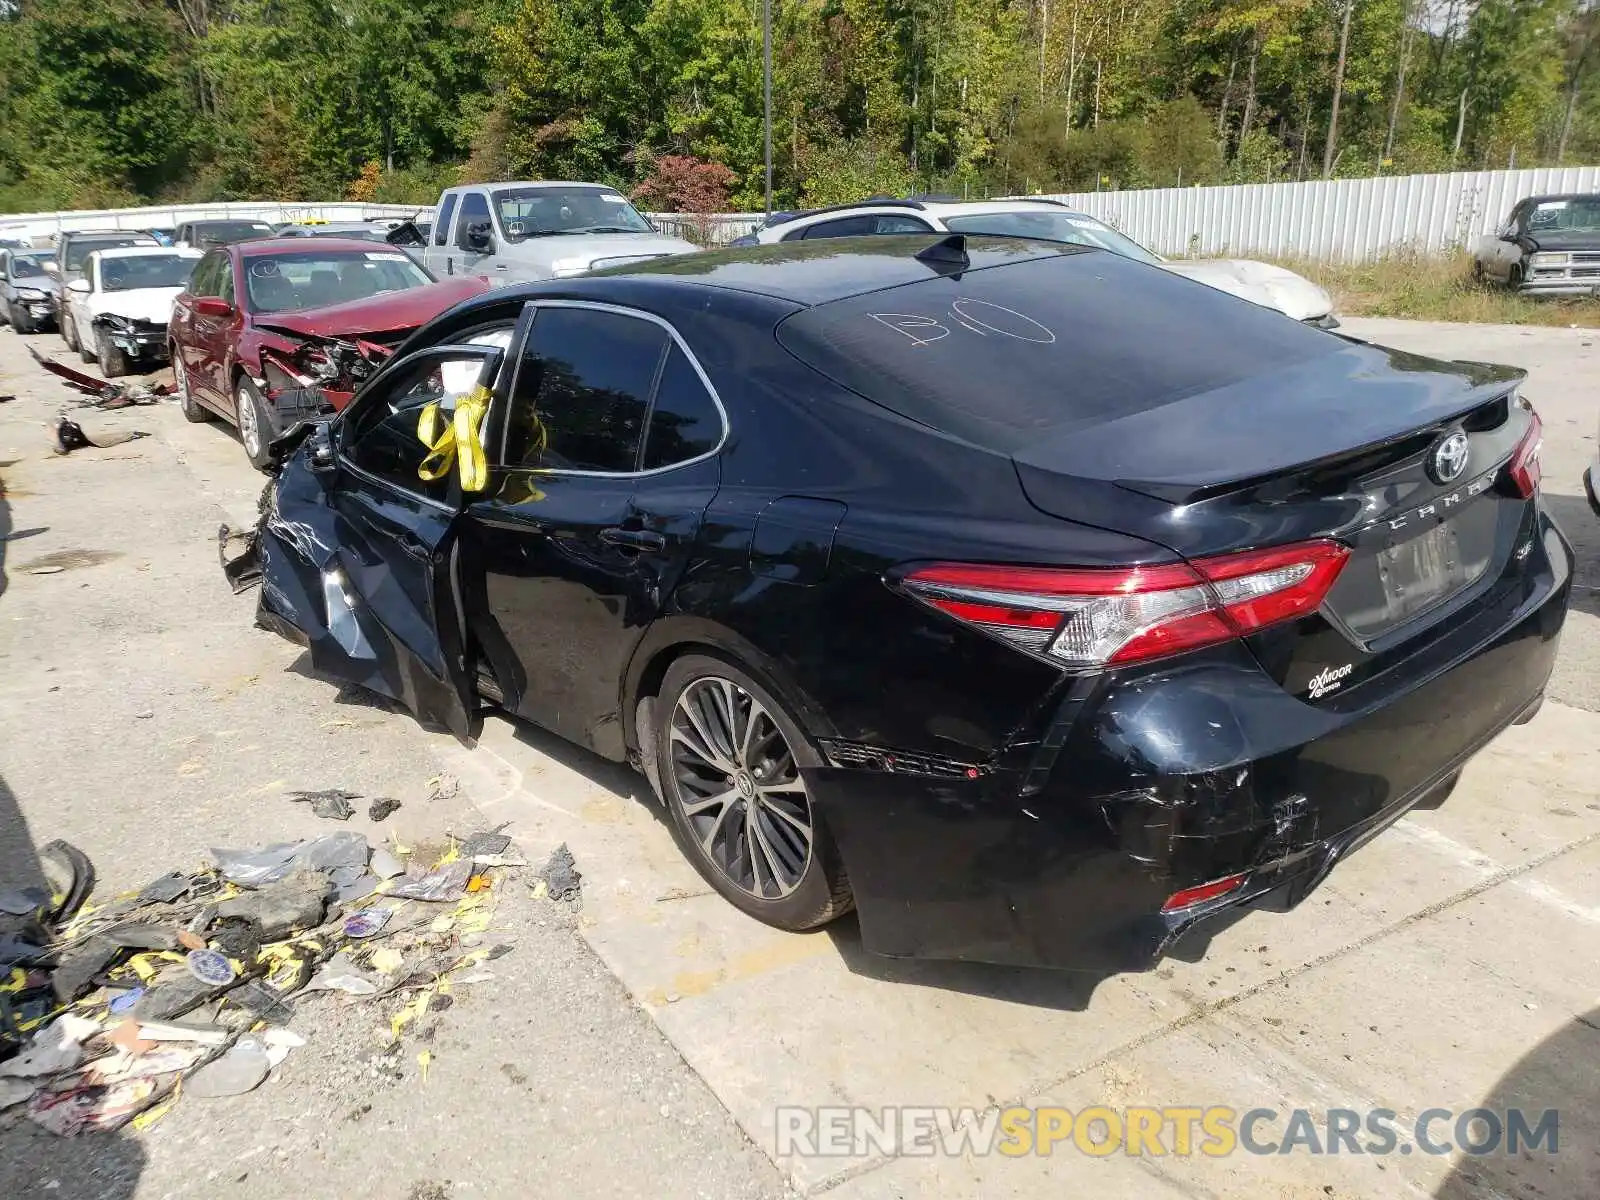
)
(360, 556)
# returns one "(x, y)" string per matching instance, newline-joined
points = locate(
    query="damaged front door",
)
(358, 552)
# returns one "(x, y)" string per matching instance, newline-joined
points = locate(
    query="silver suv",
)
(1260, 283)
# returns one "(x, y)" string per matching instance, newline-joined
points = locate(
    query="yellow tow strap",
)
(459, 440)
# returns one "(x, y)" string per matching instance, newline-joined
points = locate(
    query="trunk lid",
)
(1347, 447)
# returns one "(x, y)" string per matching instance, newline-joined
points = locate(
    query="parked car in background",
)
(166, 237)
(1548, 246)
(1591, 480)
(509, 232)
(26, 289)
(1049, 220)
(202, 235)
(361, 230)
(1039, 605)
(72, 248)
(121, 305)
(262, 321)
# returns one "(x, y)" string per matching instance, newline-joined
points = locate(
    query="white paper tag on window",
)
(386, 256)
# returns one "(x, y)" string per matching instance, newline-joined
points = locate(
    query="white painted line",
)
(1484, 866)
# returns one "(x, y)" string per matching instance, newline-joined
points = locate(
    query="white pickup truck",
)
(520, 232)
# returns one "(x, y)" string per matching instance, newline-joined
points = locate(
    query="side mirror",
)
(212, 306)
(78, 285)
(479, 237)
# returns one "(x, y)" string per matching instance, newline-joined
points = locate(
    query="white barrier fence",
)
(1338, 220)
(30, 226)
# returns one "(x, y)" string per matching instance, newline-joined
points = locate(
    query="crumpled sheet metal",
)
(318, 570)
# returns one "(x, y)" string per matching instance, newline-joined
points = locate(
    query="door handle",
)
(633, 539)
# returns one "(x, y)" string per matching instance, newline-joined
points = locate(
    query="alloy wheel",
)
(249, 426)
(739, 788)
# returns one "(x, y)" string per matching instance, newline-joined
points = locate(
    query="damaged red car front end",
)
(334, 349)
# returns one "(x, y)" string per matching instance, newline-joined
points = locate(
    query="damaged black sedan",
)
(1039, 604)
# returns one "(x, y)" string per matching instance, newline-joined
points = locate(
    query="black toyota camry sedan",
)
(1037, 603)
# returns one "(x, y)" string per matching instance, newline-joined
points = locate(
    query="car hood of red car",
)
(377, 314)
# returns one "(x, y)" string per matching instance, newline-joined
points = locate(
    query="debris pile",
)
(102, 393)
(188, 986)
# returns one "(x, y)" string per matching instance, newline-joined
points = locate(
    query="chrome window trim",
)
(644, 434)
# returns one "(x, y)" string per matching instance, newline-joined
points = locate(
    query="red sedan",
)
(261, 322)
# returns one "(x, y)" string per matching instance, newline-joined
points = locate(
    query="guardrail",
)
(29, 226)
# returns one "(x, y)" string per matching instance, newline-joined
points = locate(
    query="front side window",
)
(146, 271)
(381, 436)
(300, 279)
(1047, 226)
(550, 211)
(474, 211)
(441, 232)
(582, 390)
(207, 277)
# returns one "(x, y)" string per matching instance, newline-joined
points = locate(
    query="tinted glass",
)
(897, 223)
(843, 227)
(381, 437)
(582, 389)
(222, 233)
(1579, 214)
(1007, 354)
(442, 232)
(207, 277)
(684, 421)
(547, 211)
(146, 271)
(310, 278)
(79, 249)
(1047, 226)
(474, 210)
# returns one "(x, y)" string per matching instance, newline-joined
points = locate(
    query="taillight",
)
(1094, 616)
(1525, 470)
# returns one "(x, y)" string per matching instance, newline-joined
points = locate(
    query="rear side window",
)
(441, 231)
(474, 210)
(684, 420)
(582, 390)
(1008, 354)
(840, 227)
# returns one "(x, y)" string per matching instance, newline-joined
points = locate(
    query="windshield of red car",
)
(145, 271)
(292, 281)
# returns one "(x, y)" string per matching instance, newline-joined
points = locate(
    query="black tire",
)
(798, 892)
(256, 429)
(86, 350)
(1514, 279)
(113, 361)
(69, 331)
(192, 409)
(21, 323)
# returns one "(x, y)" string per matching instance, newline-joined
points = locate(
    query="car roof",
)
(303, 245)
(227, 221)
(144, 252)
(938, 209)
(816, 272)
(534, 183)
(102, 233)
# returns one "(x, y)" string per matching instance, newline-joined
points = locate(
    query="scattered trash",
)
(560, 876)
(236, 1071)
(382, 808)
(70, 436)
(210, 967)
(440, 886)
(367, 922)
(187, 986)
(333, 803)
(442, 787)
(104, 394)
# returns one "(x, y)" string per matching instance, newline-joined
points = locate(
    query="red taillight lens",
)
(1092, 616)
(1199, 895)
(1525, 470)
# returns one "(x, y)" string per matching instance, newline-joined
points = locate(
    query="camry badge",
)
(1449, 458)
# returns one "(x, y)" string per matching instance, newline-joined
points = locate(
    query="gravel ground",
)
(143, 719)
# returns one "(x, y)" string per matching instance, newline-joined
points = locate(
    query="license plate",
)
(1421, 570)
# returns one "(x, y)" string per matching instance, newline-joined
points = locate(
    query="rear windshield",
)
(79, 249)
(222, 233)
(1050, 226)
(1006, 355)
(295, 280)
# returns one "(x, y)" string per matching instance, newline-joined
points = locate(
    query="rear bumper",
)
(1204, 770)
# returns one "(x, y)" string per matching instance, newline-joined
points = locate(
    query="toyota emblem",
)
(1449, 458)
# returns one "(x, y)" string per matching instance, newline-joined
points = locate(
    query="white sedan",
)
(1050, 221)
(121, 306)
